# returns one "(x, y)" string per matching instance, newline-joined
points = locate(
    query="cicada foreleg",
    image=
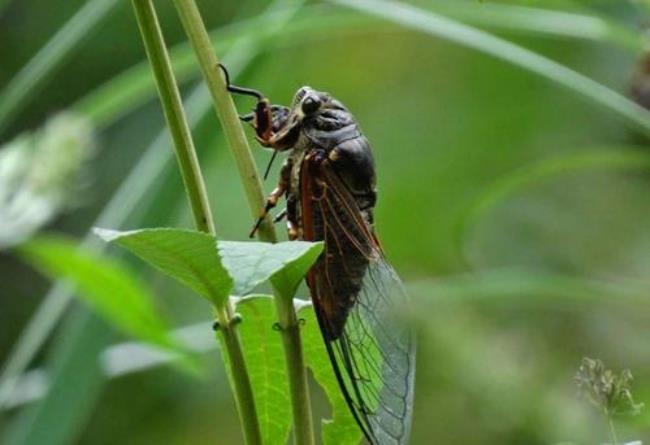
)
(292, 218)
(262, 116)
(273, 198)
(291, 214)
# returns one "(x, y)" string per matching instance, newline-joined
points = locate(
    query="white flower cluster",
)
(39, 174)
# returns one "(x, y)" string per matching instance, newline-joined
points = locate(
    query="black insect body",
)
(328, 180)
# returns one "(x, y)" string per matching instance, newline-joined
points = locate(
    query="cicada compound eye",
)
(310, 104)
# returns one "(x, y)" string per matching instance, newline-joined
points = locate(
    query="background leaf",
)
(251, 263)
(105, 284)
(188, 256)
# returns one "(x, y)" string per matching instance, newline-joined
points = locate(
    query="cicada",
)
(328, 180)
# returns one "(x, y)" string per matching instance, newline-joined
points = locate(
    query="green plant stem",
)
(244, 396)
(227, 113)
(174, 114)
(195, 187)
(612, 429)
(295, 361)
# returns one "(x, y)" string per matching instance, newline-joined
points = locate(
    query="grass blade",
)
(526, 288)
(34, 74)
(470, 37)
(529, 19)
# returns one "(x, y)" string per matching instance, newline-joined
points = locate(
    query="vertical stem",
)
(195, 187)
(244, 397)
(174, 114)
(227, 113)
(612, 429)
(303, 428)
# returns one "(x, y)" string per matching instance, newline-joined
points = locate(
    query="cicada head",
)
(280, 127)
(319, 110)
(307, 102)
(307, 105)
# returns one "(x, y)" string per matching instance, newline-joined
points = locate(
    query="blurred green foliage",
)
(505, 314)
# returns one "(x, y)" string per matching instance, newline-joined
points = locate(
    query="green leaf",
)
(186, 255)
(107, 285)
(251, 263)
(342, 429)
(264, 357)
(287, 279)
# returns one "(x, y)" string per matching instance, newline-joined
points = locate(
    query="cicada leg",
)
(275, 195)
(293, 225)
(314, 161)
(261, 118)
(280, 216)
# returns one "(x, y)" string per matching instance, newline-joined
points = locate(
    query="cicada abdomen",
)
(328, 180)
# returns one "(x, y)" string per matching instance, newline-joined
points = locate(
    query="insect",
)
(328, 180)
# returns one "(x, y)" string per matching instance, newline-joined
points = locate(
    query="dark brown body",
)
(329, 183)
(337, 160)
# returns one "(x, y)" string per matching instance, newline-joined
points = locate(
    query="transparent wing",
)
(358, 298)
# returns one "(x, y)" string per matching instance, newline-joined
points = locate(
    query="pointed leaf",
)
(186, 255)
(287, 279)
(251, 263)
